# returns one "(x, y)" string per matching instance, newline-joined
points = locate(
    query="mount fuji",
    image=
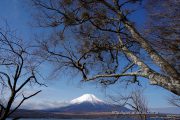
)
(88, 103)
(90, 98)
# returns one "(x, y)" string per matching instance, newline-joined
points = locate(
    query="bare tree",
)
(17, 70)
(135, 100)
(105, 44)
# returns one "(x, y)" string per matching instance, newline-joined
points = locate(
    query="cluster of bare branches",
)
(163, 29)
(17, 70)
(134, 100)
(174, 100)
(105, 45)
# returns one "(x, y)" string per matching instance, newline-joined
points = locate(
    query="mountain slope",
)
(89, 103)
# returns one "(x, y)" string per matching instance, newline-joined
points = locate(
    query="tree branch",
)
(8, 78)
(24, 98)
(115, 75)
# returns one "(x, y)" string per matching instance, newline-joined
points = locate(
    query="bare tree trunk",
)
(155, 78)
(171, 83)
(7, 110)
(14, 60)
(161, 62)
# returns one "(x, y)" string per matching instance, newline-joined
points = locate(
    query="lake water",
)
(95, 119)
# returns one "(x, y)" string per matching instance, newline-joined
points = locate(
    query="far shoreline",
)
(36, 114)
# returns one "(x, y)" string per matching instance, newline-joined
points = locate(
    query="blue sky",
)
(66, 87)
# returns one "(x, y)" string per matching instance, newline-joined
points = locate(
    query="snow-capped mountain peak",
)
(86, 98)
(88, 103)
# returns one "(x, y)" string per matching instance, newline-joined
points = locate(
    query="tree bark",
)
(7, 110)
(161, 62)
(155, 78)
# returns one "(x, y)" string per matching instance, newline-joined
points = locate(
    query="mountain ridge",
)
(89, 103)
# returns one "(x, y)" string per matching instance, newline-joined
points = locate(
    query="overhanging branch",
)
(115, 75)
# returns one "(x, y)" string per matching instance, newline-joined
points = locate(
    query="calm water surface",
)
(94, 119)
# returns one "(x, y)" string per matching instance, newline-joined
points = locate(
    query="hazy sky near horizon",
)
(66, 87)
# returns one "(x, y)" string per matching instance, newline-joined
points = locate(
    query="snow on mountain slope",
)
(88, 103)
(86, 98)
